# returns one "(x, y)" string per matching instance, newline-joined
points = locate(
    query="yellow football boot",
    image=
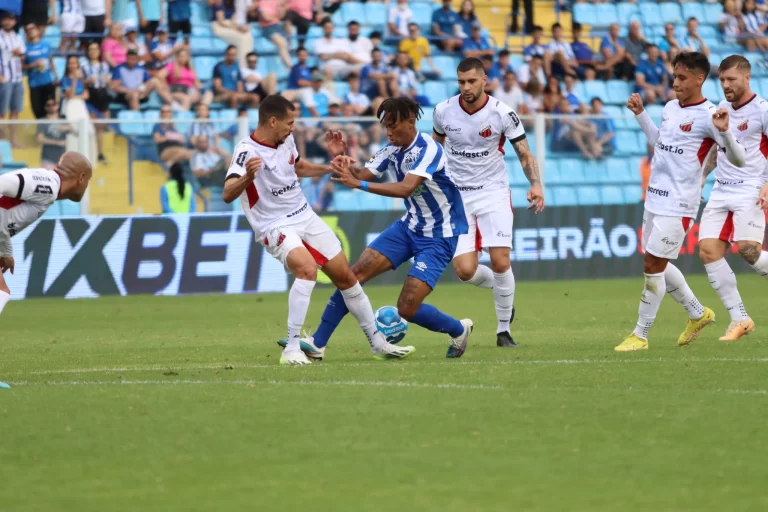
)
(632, 343)
(737, 329)
(694, 327)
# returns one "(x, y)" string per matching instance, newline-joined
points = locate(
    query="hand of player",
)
(340, 162)
(344, 174)
(762, 198)
(336, 144)
(536, 198)
(252, 167)
(720, 120)
(635, 104)
(6, 263)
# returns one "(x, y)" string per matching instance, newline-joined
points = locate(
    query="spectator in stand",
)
(570, 133)
(533, 97)
(417, 48)
(730, 23)
(467, 18)
(176, 196)
(754, 25)
(316, 99)
(162, 48)
(406, 83)
(359, 47)
(510, 92)
(319, 192)
(186, 89)
(569, 81)
(361, 104)
(651, 79)
(634, 44)
(149, 18)
(613, 52)
(40, 13)
(208, 164)
(299, 15)
(233, 130)
(333, 53)
(72, 83)
(667, 42)
(114, 48)
(52, 137)
(477, 45)
(387, 56)
(98, 16)
(605, 128)
(377, 78)
(257, 87)
(587, 66)
(497, 70)
(533, 69)
(71, 24)
(228, 84)
(133, 85)
(400, 16)
(692, 42)
(132, 43)
(563, 59)
(271, 14)
(536, 47)
(224, 27)
(493, 82)
(12, 51)
(41, 72)
(446, 25)
(552, 95)
(300, 75)
(179, 18)
(171, 143)
(97, 77)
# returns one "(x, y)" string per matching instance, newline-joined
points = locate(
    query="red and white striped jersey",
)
(25, 195)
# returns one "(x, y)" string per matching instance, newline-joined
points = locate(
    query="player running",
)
(264, 173)
(473, 126)
(734, 213)
(25, 195)
(428, 232)
(690, 127)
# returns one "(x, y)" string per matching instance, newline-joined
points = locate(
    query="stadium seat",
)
(627, 11)
(204, 67)
(131, 128)
(618, 92)
(223, 119)
(376, 14)
(427, 112)
(588, 195)
(655, 112)
(422, 13)
(670, 12)
(584, 13)
(611, 195)
(594, 89)
(353, 11)
(203, 30)
(6, 152)
(632, 194)
(693, 10)
(711, 13)
(519, 197)
(763, 87)
(606, 14)
(435, 89)
(627, 142)
(564, 196)
(262, 45)
(651, 15)
(615, 170)
(253, 117)
(712, 91)
(619, 116)
(347, 200)
(571, 170)
(184, 120)
(705, 30)
(517, 176)
(374, 203)
(445, 64)
(424, 125)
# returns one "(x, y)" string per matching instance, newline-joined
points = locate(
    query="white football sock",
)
(298, 305)
(723, 280)
(653, 293)
(4, 299)
(504, 297)
(678, 288)
(483, 277)
(359, 305)
(761, 265)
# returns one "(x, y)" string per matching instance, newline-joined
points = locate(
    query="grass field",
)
(160, 404)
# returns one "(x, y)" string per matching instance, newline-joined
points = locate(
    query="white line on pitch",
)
(229, 366)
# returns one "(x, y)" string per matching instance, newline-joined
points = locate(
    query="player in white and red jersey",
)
(25, 195)
(690, 128)
(473, 127)
(734, 213)
(264, 173)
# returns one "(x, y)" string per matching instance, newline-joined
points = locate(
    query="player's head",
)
(278, 115)
(690, 70)
(472, 79)
(399, 116)
(735, 72)
(75, 171)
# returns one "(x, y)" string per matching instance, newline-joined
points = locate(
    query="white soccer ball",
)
(390, 324)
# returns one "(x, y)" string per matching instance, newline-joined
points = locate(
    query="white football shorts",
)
(313, 233)
(733, 220)
(72, 23)
(663, 236)
(490, 219)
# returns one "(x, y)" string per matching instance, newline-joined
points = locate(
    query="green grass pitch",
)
(177, 403)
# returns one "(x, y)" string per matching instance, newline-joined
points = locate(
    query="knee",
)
(653, 265)
(707, 255)
(465, 271)
(406, 310)
(500, 262)
(306, 271)
(346, 281)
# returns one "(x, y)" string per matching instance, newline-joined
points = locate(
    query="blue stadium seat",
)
(519, 197)
(711, 13)
(754, 58)
(588, 195)
(763, 87)
(671, 13)
(571, 170)
(184, 120)
(712, 91)
(422, 13)
(204, 67)
(564, 196)
(584, 13)
(655, 112)
(626, 11)
(435, 89)
(340, 89)
(594, 89)
(516, 61)
(200, 14)
(618, 92)
(262, 45)
(131, 128)
(203, 30)
(632, 194)
(374, 203)
(347, 200)
(227, 145)
(445, 64)
(606, 14)
(611, 195)
(424, 125)
(551, 172)
(6, 152)
(619, 114)
(61, 65)
(228, 117)
(651, 15)
(615, 170)
(353, 11)
(627, 142)
(516, 175)
(273, 64)
(693, 10)
(315, 32)
(706, 30)
(427, 112)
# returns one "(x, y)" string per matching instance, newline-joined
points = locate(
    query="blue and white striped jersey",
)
(71, 7)
(10, 64)
(435, 208)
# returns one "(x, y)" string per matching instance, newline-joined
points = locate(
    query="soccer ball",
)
(389, 323)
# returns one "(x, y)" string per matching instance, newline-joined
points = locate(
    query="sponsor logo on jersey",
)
(670, 149)
(743, 126)
(486, 132)
(449, 129)
(12, 228)
(658, 192)
(502, 234)
(724, 182)
(410, 158)
(281, 191)
(291, 160)
(469, 154)
(41, 178)
(667, 241)
(419, 190)
(686, 127)
(470, 188)
(294, 213)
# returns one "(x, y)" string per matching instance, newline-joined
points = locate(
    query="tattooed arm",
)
(710, 165)
(531, 170)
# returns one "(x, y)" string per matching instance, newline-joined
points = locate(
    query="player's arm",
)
(635, 104)
(709, 166)
(734, 151)
(334, 140)
(402, 189)
(531, 170)
(242, 171)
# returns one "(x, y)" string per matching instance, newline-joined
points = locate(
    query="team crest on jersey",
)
(291, 160)
(743, 126)
(686, 127)
(411, 158)
(485, 132)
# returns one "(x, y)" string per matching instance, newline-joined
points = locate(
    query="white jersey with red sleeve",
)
(275, 197)
(749, 124)
(25, 195)
(474, 142)
(686, 136)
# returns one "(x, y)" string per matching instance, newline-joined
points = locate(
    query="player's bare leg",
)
(303, 266)
(5, 292)
(712, 252)
(357, 302)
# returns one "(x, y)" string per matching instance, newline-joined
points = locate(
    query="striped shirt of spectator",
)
(10, 64)
(100, 70)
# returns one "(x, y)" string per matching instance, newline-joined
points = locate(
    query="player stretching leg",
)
(264, 173)
(690, 127)
(473, 127)
(733, 213)
(428, 232)
(25, 195)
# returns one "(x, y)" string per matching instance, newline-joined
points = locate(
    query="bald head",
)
(75, 171)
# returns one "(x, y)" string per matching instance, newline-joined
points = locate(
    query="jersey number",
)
(241, 158)
(515, 119)
(43, 189)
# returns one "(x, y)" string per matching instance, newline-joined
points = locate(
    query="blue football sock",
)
(334, 313)
(429, 317)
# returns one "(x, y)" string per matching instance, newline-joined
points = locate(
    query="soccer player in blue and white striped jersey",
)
(428, 232)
